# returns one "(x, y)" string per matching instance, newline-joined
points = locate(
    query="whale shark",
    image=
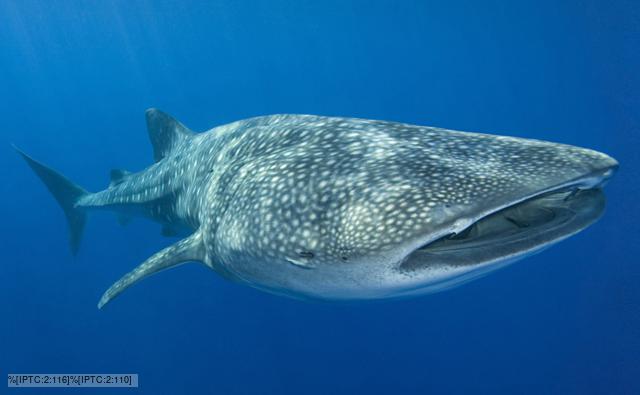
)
(334, 208)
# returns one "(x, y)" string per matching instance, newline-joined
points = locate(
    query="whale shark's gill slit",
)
(571, 195)
(306, 254)
(301, 263)
(302, 260)
(516, 221)
(463, 234)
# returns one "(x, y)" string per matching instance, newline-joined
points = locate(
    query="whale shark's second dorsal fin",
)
(165, 132)
(117, 176)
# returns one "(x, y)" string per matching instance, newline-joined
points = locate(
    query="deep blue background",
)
(76, 76)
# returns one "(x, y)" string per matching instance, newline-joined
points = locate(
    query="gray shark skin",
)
(341, 208)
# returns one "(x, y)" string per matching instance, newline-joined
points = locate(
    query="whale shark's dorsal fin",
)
(186, 250)
(165, 132)
(117, 176)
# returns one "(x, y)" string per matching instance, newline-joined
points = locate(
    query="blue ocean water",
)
(76, 77)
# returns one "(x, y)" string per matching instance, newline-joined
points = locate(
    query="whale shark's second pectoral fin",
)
(186, 250)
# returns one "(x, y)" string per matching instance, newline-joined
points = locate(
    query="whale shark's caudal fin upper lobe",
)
(66, 193)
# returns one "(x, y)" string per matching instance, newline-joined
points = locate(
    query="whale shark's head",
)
(352, 209)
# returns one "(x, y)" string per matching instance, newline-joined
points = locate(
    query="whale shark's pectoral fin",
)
(189, 249)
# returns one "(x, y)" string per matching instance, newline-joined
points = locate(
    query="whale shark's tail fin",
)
(66, 193)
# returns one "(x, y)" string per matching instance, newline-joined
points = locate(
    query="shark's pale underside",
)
(342, 208)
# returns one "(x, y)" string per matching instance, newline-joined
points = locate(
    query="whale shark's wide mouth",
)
(513, 231)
